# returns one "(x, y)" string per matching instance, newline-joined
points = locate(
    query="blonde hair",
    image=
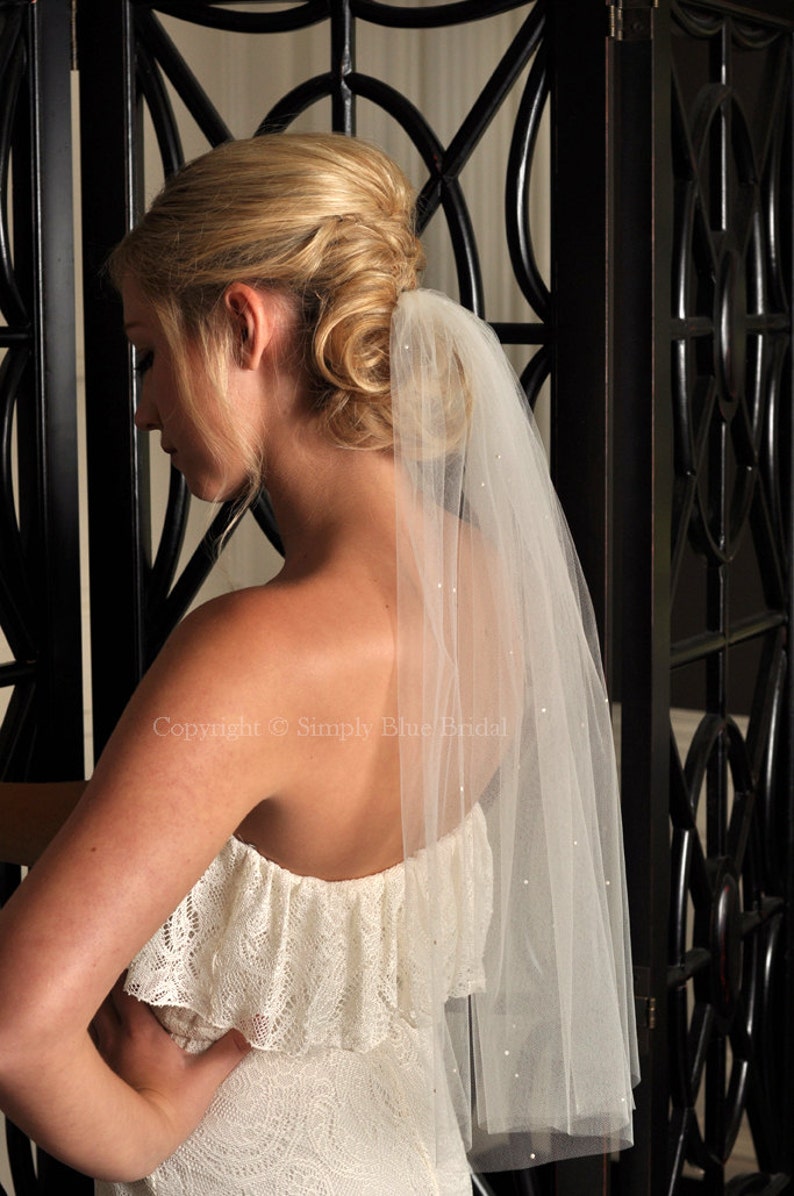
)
(322, 219)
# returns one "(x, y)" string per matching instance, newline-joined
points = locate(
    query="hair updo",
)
(323, 219)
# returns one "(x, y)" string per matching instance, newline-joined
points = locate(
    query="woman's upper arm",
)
(169, 789)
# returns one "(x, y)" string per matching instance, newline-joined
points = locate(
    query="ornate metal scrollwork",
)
(16, 606)
(159, 60)
(41, 732)
(731, 340)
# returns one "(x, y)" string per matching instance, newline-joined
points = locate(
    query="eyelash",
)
(144, 363)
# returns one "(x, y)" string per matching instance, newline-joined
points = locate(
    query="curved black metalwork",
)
(157, 59)
(158, 102)
(697, 22)
(535, 374)
(433, 16)
(753, 37)
(246, 22)
(41, 732)
(13, 63)
(731, 375)
(158, 47)
(519, 232)
(296, 101)
(16, 600)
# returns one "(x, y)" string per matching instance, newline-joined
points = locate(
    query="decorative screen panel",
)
(731, 526)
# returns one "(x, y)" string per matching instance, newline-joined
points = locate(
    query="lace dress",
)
(318, 976)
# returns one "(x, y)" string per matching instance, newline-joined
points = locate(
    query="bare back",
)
(337, 812)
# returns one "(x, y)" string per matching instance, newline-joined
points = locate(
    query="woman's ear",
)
(255, 316)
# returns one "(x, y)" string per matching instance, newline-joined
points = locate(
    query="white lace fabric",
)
(320, 976)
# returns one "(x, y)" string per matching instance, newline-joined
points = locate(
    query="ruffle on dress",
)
(296, 963)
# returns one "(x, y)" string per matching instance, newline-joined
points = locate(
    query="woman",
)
(358, 828)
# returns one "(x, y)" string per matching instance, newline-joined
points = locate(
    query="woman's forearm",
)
(31, 814)
(116, 1119)
(69, 1101)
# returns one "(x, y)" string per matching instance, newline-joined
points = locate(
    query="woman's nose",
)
(147, 418)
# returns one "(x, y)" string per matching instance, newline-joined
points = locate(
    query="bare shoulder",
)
(218, 624)
(233, 661)
(263, 652)
(263, 636)
(288, 622)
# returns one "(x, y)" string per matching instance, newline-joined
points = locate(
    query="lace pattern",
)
(296, 963)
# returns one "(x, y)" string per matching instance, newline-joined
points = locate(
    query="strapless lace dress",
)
(319, 977)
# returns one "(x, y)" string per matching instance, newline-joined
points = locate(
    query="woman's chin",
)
(211, 490)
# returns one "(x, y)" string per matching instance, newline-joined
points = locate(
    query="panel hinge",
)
(644, 1007)
(650, 1013)
(645, 1012)
(631, 20)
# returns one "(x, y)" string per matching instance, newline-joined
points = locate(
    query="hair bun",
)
(324, 218)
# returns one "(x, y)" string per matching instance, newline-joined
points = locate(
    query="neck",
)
(330, 500)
